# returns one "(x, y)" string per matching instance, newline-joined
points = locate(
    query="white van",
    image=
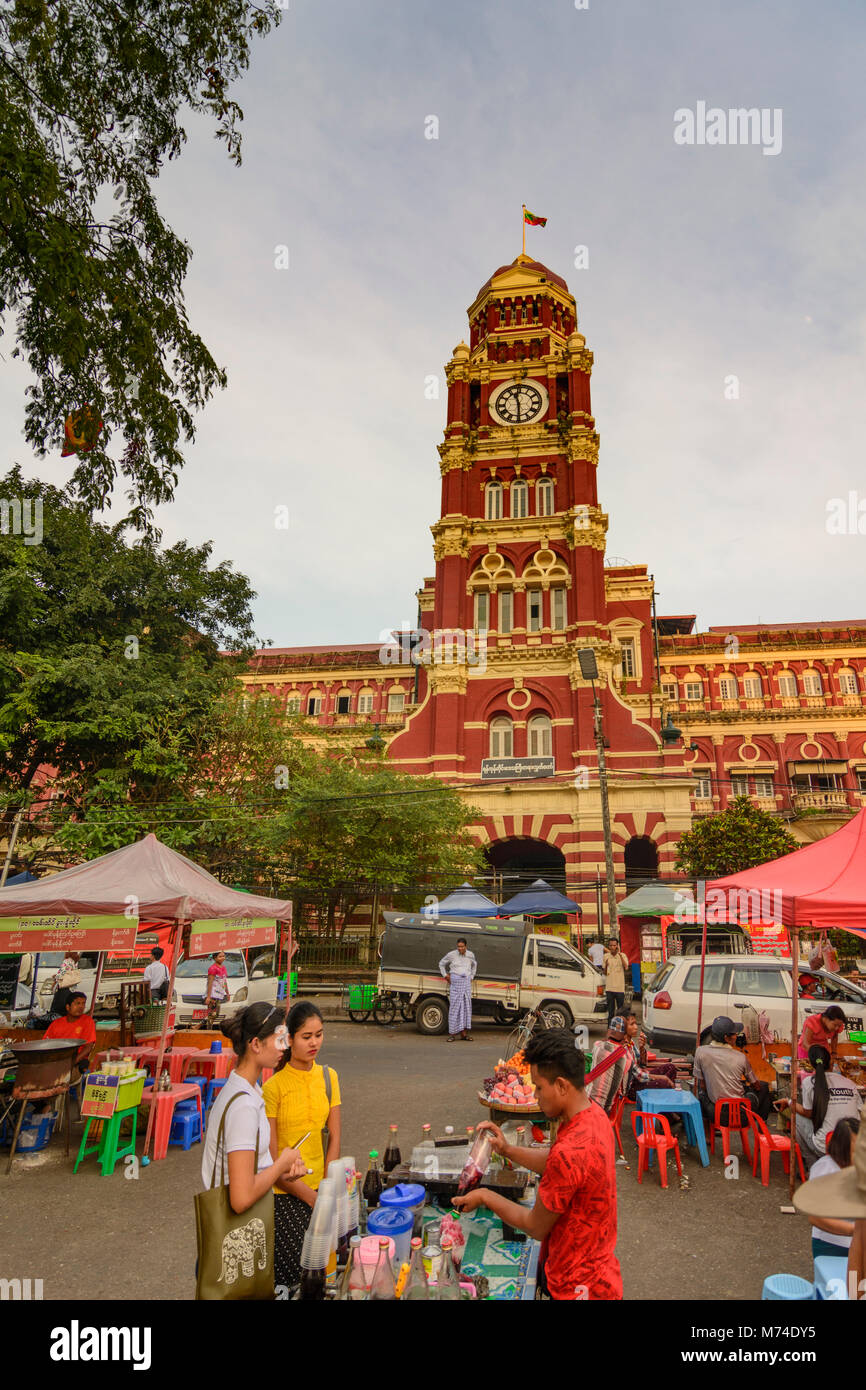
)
(49, 962)
(246, 985)
(731, 983)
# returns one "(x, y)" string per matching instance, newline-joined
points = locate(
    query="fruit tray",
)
(530, 1109)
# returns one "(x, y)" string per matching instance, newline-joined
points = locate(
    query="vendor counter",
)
(510, 1267)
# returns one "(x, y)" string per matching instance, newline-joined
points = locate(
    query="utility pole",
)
(16, 826)
(589, 671)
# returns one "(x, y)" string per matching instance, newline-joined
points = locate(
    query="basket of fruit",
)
(510, 1088)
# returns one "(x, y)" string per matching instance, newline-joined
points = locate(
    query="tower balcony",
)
(832, 801)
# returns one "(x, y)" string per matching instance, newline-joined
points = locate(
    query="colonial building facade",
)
(487, 692)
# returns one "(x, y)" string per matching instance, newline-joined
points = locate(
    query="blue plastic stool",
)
(787, 1288)
(213, 1089)
(185, 1128)
(831, 1277)
(184, 1106)
(196, 1080)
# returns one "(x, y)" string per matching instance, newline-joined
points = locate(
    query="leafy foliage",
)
(738, 838)
(91, 98)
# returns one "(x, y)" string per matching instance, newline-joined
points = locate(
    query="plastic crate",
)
(361, 996)
(856, 1035)
(149, 1018)
(130, 1090)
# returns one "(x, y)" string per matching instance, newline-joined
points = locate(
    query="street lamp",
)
(589, 671)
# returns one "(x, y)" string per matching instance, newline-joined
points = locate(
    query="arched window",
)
(482, 610)
(519, 498)
(314, 703)
(493, 502)
(752, 687)
(812, 683)
(544, 497)
(788, 683)
(344, 702)
(505, 599)
(728, 687)
(848, 682)
(365, 702)
(501, 737)
(540, 737)
(558, 609)
(293, 704)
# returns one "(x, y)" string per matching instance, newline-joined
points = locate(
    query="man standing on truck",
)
(458, 968)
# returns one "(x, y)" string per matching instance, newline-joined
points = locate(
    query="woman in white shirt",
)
(831, 1237)
(258, 1036)
(828, 1097)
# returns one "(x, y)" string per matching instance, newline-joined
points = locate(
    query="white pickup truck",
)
(518, 969)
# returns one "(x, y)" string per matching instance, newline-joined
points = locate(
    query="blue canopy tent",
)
(465, 901)
(539, 900)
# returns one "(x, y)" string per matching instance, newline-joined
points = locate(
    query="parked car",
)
(247, 985)
(731, 983)
(517, 970)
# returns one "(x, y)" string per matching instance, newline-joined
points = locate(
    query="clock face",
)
(518, 402)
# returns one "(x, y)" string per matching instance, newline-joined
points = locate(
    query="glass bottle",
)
(374, 1182)
(416, 1284)
(354, 1283)
(448, 1286)
(312, 1284)
(392, 1152)
(382, 1286)
(476, 1164)
(426, 1134)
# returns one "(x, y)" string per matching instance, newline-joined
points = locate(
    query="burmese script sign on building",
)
(506, 769)
(50, 932)
(230, 934)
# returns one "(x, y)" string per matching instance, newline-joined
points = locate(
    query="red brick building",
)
(495, 702)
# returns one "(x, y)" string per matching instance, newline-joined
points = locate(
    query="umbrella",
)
(539, 900)
(465, 901)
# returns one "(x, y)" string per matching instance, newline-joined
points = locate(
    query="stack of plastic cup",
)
(353, 1193)
(320, 1241)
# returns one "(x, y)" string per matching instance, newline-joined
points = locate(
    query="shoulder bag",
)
(326, 1133)
(235, 1249)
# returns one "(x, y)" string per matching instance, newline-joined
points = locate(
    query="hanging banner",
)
(48, 932)
(768, 938)
(230, 934)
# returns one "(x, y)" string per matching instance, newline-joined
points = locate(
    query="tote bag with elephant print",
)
(235, 1250)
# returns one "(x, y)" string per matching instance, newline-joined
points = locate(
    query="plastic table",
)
(211, 1064)
(165, 1103)
(831, 1277)
(673, 1102)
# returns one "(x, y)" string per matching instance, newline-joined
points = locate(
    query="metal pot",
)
(44, 1065)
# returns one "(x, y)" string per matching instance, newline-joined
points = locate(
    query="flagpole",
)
(523, 221)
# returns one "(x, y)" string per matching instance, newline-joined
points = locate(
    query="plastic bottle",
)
(373, 1182)
(416, 1284)
(392, 1157)
(382, 1286)
(360, 1205)
(477, 1163)
(353, 1286)
(426, 1134)
(448, 1286)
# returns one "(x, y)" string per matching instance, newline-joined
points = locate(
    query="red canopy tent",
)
(821, 886)
(146, 879)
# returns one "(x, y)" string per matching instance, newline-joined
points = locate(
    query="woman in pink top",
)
(822, 1030)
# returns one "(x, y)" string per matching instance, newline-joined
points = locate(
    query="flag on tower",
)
(532, 220)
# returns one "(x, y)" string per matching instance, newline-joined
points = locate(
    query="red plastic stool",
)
(739, 1110)
(651, 1139)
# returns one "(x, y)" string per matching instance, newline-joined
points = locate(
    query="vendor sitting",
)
(612, 1061)
(822, 1030)
(76, 1024)
(722, 1071)
(644, 1075)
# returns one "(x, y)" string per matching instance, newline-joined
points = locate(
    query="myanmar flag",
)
(533, 221)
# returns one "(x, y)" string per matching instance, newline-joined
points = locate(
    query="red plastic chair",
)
(739, 1110)
(767, 1144)
(615, 1118)
(650, 1138)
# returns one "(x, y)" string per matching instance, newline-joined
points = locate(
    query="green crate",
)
(856, 1036)
(361, 996)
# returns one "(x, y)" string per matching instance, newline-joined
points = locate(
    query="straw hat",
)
(840, 1196)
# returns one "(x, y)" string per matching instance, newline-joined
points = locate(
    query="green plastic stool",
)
(110, 1147)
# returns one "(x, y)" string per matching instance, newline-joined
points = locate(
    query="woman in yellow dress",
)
(301, 1098)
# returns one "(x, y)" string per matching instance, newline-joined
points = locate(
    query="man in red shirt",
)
(575, 1212)
(76, 1024)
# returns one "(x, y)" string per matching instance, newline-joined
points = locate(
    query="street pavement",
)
(89, 1237)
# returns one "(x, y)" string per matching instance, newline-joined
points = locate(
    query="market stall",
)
(97, 905)
(538, 901)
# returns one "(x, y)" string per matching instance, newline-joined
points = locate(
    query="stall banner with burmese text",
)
(768, 938)
(100, 1096)
(230, 934)
(54, 932)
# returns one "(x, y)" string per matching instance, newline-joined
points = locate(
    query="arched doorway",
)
(517, 862)
(641, 861)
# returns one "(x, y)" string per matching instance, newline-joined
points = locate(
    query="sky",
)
(723, 299)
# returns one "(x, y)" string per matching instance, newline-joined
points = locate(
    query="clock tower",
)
(521, 585)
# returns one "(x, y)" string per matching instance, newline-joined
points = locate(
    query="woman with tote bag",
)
(235, 1214)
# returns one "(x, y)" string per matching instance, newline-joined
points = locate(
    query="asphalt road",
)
(91, 1237)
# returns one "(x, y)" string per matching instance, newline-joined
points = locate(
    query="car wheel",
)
(557, 1015)
(431, 1016)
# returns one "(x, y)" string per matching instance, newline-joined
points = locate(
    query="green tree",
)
(110, 654)
(738, 838)
(91, 98)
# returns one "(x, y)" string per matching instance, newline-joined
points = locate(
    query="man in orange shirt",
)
(76, 1024)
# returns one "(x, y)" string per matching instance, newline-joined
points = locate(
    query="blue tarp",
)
(539, 900)
(465, 901)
